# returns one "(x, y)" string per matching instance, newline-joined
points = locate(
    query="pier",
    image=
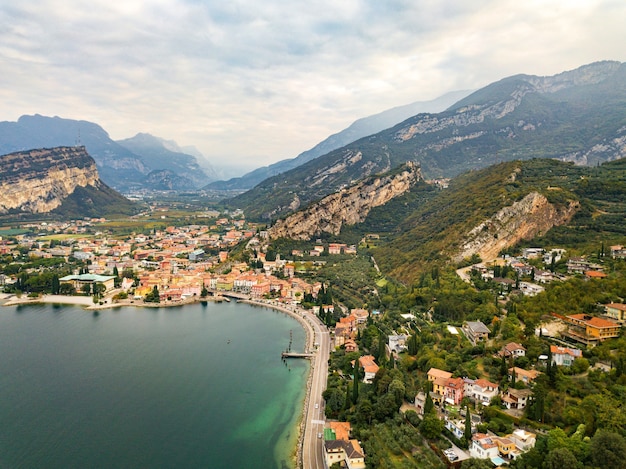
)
(296, 355)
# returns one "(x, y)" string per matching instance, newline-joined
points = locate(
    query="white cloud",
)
(257, 82)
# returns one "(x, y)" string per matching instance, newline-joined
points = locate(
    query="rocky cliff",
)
(348, 206)
(577, 116)
(525, 219)
(38, 181)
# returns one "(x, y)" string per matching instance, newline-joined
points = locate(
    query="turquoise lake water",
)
(200, 386)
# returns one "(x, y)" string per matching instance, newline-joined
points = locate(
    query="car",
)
(317, 406)
(319, 435)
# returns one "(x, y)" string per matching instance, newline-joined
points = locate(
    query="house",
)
(349, 452)
(196, 255)
(454, 391)
(516, 398)
(79, 281)
(578, 265)
(476, 331)
(340, 448)
(342, 333)
(543, 276)
(523, 440)
(456, 427)
(397, 343)
(590, 330)
(481, 390)
(420, 402)
(532, 253)
(616, 311)
(494, 448)
(564, 356)
(260, 289)
(525, 376)
(336, 248)
(350, 345)
(340, 430)
(618, 251)
(439, 379)
(530, 289)
(483, 447)
(369, 366)
(361, 315)
(512, 349)
(595, 274)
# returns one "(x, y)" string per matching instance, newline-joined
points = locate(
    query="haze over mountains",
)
(141, 162)
(578, 116)
(358, 129)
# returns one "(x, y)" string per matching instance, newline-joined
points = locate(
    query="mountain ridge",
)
(360, 128)
(118, 166)
(41, 181)
(578, 115)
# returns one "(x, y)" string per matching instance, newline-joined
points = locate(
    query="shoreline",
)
(295, 312)
(87, 301)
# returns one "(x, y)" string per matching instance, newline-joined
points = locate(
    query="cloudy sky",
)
(251, 82)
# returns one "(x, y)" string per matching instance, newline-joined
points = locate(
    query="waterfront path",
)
(311, 447)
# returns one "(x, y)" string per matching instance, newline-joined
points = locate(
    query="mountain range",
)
(577, 116)
(358, 129)
(141, 162)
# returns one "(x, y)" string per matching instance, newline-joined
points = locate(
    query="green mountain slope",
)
(575, 116)
(438, 224)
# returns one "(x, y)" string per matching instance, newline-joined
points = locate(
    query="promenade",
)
(310, 452)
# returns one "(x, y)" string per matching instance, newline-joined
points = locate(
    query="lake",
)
(196, 386)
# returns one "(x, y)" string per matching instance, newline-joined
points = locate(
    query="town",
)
(499, 384)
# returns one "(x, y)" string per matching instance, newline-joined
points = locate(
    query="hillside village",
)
(473, 390)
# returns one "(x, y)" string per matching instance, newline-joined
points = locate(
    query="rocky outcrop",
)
(525, 219)
(37, 181)
(348, 206)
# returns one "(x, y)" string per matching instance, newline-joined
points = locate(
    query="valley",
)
(465, 268)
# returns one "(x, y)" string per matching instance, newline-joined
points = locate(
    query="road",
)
(312, 445)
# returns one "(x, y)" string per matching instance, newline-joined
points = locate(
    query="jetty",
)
(297, 355)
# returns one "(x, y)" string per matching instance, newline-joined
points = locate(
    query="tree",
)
(608, 449)
(397, 389)
(204, 293)
(56, 285)
(429, 407)
(431, 426)
(153, 296)
(560, 458)
(468, 425)
(413, 345)
(382, 352)
(357, 377)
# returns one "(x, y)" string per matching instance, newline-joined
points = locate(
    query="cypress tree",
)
(56, 286)
(355, 385)
(428, 405)
(382, 342)
(347, 403)
(468, 424)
